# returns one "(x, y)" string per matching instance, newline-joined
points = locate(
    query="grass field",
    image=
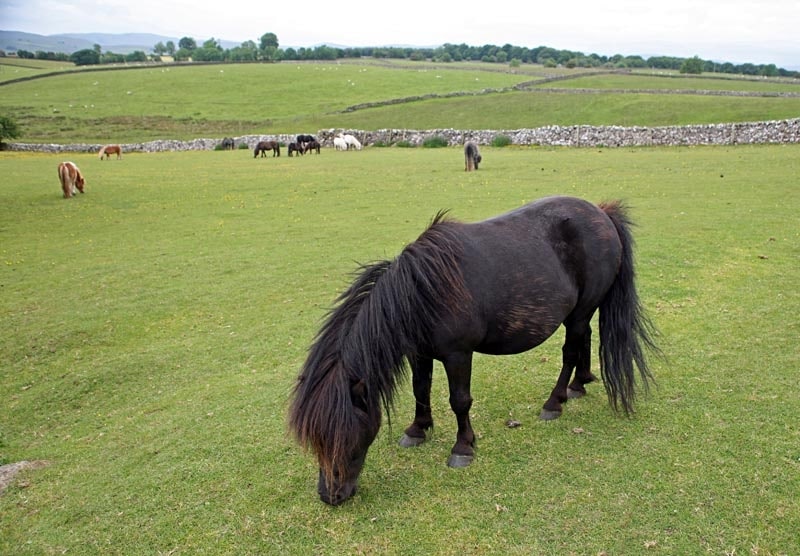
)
(215, 101)
(154, 326)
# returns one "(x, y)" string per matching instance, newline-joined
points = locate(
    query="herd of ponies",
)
(72, 180)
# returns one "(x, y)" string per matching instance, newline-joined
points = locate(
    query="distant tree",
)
(269, 40)
(769, 70)
(211, 51)
(212, 44)
(187, 43)
(635, 62)
(693, 65)
(112, 58)
(748, 69)
(247, 52)
(268, 48)
(170, 48)
(8, 129)
(136, 56)
(324, 52)
(159, 48)
(85, 57)
(204, 54)
(25, 54)
(182, 55)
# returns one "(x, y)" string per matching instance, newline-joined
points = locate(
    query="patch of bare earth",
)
(10, 471)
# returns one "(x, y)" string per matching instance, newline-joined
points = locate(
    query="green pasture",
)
(16, 68)
(672, 81)
(215, 101)
(153, 328)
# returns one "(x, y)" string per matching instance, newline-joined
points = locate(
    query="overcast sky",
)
(760, 31)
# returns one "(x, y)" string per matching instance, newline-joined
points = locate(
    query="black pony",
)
(295, 148)
(472, 156)
(500, 286)
(228, 144)
(263, 146)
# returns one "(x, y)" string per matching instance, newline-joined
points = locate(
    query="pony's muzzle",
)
(338, 493)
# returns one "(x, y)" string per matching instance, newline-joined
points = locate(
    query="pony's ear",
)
(358, 393)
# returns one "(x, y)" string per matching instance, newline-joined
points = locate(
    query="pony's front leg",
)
(421, 378)
(459, 374)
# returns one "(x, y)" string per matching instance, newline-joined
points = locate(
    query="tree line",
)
(267, 49)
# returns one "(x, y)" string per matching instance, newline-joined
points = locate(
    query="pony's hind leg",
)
(421, 378)
(577, 338)
(583, 372)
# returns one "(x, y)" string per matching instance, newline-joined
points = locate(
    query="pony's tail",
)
(625, 329)
(102, 152)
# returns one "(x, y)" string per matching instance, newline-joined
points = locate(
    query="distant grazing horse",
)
(108, 150)
(295, 148)
(228, 144)
(264, 146)
(472, 156)
(339, 143)
(71, 179)
(312, 146)
(352, 142)
(500, 286)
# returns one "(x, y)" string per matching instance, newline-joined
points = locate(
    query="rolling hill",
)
(11, 41)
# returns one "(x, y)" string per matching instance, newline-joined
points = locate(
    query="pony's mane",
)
(385, 315)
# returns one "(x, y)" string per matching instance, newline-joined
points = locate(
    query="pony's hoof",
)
(549, 414)
(573, 394)
(410, 441)
(459, 460)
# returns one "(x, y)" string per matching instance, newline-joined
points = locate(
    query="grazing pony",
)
(500, 286)
(108, 150)
(228, 144)
(264, 146)
(472, 156)
(312, 146)
(339, 143)
(295, 148)
(71, 179)
(351, 142)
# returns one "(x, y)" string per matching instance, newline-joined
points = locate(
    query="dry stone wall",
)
(778, 131)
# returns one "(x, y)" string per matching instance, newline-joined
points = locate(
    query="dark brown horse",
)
(295, 148)
(264, 146)
(311, 146)
(500, 286)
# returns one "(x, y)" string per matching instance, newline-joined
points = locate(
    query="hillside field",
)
(215, 101)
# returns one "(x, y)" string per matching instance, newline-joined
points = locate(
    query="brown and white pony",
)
(71, 179)
(108, 150)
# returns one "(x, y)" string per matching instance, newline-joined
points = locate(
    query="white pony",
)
(339, 143)
(352, 142)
